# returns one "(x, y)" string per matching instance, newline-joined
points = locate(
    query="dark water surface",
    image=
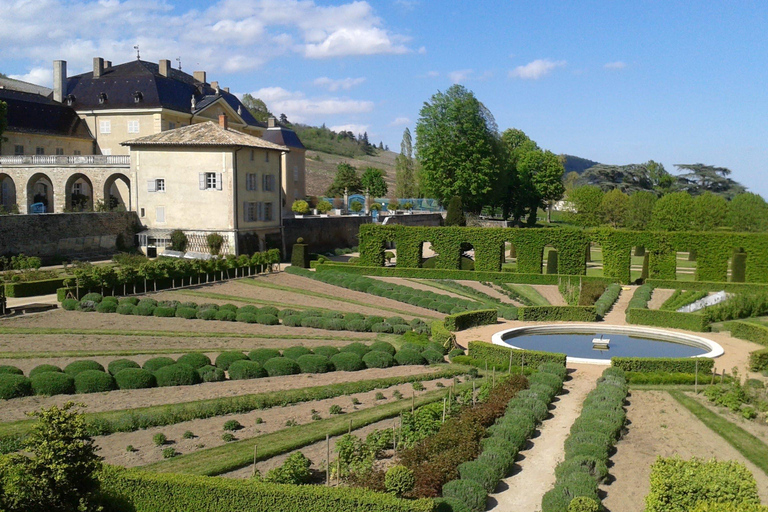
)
(621, 345)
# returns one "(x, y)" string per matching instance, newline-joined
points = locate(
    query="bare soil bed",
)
(659, 296)
(208, 431)
(418, 286)
(492, 292)
(660, 427)
(754, 427)
(551, 293)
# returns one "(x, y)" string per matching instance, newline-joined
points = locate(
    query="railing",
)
(66, 160)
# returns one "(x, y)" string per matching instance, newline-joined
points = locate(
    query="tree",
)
(455, 215)
(747, 212)
(701, 178)
(405, 170)
(257, 108)
(346, 180)
(59, 474)
(709, 211)
(672, 212)
(569, 182)
(640, 209)
(587, 204)
(284, 120)
(511, 189)
(615, 205)
(541, 173)
(457, 146)
(373, 183)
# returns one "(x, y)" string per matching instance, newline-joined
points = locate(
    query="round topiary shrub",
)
(87, 305)
(226, 315)
(207, 314)
(14, 386)
(164, 312)
(248, 318)
(94, 297)
(383, 346)
(44, 368)
(10, 370)
(312, 363)
(378, 359)
(128, 300)
(191, 305)
(312, 322)
(296, 352)
(267, 319)
(126, 309)
(347, 362)
(177, 375)
(409, 357)
(400, 329)
(228, 307)
(107, 306)
(326, 351)
(168, 304)
(52, 383)
(135, 378)
(208, 305)
(80, 366)
(399, 480)
(455, 352)
(382, 327)
(358, 348)
(227, 358)
(94, 381)
(188, 313)
(269, 310)
(482, 471)
(433, 356)
(449, 505)
(116, 366)
(282, 366)
(262, 355)
(416, 347)
(250, 309)
(155, 363)
(583, 504)
(195, 360)
(70, 304)
(111, 298)
(468, 492)
(292, 321)
(333, 324)
(211, 374)
(246, 369)
(144, 309)
(357, 326)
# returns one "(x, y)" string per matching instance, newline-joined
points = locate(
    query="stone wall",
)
(63, 235)
(324, 234)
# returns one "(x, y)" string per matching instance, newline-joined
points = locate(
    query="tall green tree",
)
(615, 205)
(700, 178)
(346, 180)
(640, 209)
(541, 175)
(454, 215)
(709, 211)
(458, 149)
(512, 193)
(673, 212)
(406, 185)
(372, 182)
(256, 107)
(587, 204)
(747, 212)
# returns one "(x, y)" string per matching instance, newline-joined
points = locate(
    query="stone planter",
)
(297, 216)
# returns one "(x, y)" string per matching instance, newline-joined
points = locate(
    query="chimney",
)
(199, 76)
(107, 64)
(223, 121)
(165, 67)
(98, 67)
(226, 89)
(271, 122)
(59, 80)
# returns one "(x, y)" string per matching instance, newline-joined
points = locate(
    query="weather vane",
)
(136, 47)
(178, 59)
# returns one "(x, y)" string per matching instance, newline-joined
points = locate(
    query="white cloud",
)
(38, 76)
(340, 83)
(400, 121)
(300, 109)
(615, 65)
(422, 50)
(354, 128)
(460, 75)
(433, 74)
(536, 69)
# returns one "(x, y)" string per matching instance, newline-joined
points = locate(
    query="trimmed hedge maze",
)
(713, 249)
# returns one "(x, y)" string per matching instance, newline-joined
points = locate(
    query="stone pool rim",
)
(501, 338)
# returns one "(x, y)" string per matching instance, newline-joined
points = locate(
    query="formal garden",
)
(368, 385)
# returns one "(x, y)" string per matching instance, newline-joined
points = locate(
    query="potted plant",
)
(338, 204)
(408, 207)
(300, 208)
(356, 206)
(323, 207)
(393, 206)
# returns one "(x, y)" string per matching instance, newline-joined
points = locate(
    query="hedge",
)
(557, 313)
(140, 491)
(312, 363)
(177, 375)
(14, 386)
(94, 381)
(196, 360)
(758, 360)
(246, 369)
(282, 366)
(262, 355)
(749, 331)
(135, 378)
(78, 367)
(709, 286)
(377, 359)
(496, 354)
(33, 288)
(469, 319)
(663, 364)
(52, 383)
(657, 318)
(116, 366)
(442, 335)
(347, 362)
(155, 363)
(607, 299)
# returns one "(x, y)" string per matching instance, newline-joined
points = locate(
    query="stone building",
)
(294, 163)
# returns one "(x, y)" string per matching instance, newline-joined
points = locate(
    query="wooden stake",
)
(696, 379)
(394, 436)
(327, 459)
(493, 381)
(413, 401)
(255, 453)
(522, 363)
(714, 374)
(473, 392)
(510, 362)
(443, 410)
(350, 427)
(338, 470)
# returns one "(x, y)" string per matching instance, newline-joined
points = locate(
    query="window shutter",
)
(218, 181)
(151, 186)
(264, 182)
(260, 210)
(245, 211)
(202, 181)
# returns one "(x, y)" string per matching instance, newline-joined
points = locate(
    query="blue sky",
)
(616, 82)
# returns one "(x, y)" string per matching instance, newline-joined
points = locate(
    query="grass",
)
(443, 286)
(529, 292)
(130, 420)
(307, 293)
(752, 448)
(236, 455)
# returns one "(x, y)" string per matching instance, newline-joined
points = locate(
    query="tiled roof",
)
(284, 136)
(32, 113)
(204, 134)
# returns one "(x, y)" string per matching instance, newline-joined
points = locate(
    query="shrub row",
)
(461, 321)
(682, 298)
(508, 436)
(442, 335)
(592, 435)
(758, 360)
(641, 297)
(606, 301)
(499, 367)
(680, 485)
(33, 288)
(749, 331)
(657, 318)
(709, 286)
(664, 378)
(496, 354)
(557, 313)
(741, 305)
(664, 364)
(432, 273)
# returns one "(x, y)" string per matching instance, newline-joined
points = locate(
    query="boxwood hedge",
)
(211, 374)
(176, 375)
(135, 378)
(94, 381)
(347, 362)
(77, 367)
(262, 355)
(377, 359)
(282, 366)
(52, 383)
(195, 360)
(225, 359)
(155, 363)
(114, 367)
(496, 354)
(469, 319)
(44, 368)
(664, 364)
(246, 369)
(10, 369)
(14, 386)
(313, 363)
(409, 357)
(296, 352)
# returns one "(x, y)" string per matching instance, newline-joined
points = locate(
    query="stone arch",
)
(117, 192)
(40, 190)
(78, 193)
(7, 192)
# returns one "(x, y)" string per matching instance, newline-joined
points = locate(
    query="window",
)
(160, 214)
(210, 181)
(77, 188)
(295, 173)
(105, 126)
(269, 183)
(266, 156)
(250, 181)
(133, 126)
(142, 212)
(39, 150)
(249, 210)
(106, 151)
(18, 150)
(77, 152)
(160, 185)
(267, 211)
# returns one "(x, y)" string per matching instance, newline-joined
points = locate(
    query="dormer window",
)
(138, 97)
(102, 98)
(69, 100)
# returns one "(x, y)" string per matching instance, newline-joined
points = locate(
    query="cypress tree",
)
(455, 216)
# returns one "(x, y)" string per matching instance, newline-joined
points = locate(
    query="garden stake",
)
(338, 470)
(413, 401)
(255, 451)
(522, 364)
(443, 410)
(350, 427)
(510, 362)
(473, 393)
(714, 374)
(328, 460)
(493, 381)
(722, 376)
(696, 379)
(394, 436)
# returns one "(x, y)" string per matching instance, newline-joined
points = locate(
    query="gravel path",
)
(490, 291)
(616, 316)
(659, 296)
(551, 293)
(534, 472)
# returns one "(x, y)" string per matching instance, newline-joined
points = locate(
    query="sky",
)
(617, 82)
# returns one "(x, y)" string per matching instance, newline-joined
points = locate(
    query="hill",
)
(577, 164)
(321, 168)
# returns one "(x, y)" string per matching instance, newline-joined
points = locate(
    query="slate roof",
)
(120, 83)
(32, 113)
(284, 136)
(208, 134)
(18, 85)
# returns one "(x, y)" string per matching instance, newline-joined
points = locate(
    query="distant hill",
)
(321, 168)
(577, 164)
